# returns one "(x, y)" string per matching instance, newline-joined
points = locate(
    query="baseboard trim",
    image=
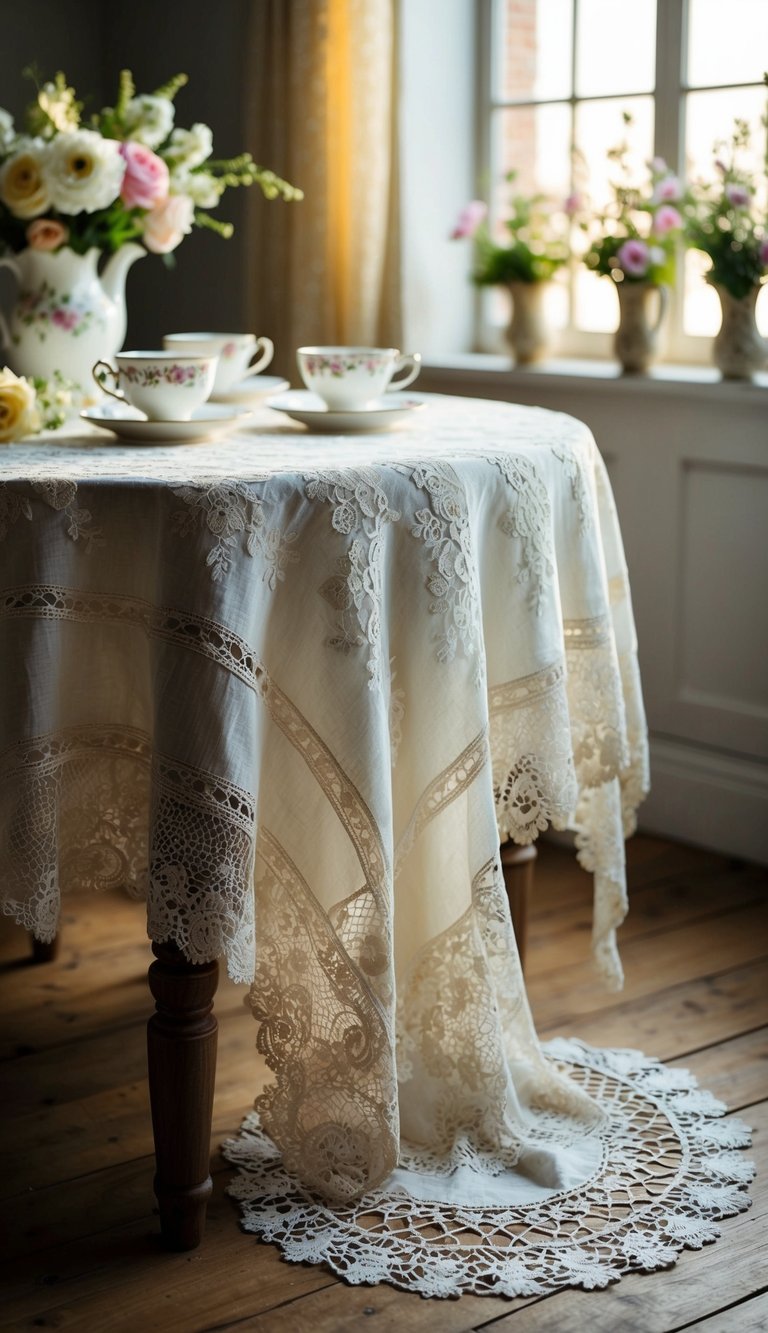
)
(708, 799)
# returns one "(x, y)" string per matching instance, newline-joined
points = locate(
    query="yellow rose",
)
(23, 188)
(18, 414)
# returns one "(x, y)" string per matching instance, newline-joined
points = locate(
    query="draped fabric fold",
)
(322, 110)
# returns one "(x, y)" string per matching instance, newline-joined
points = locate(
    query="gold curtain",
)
(322, 112)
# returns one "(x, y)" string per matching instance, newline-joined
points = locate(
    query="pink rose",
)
(667, 219)
(764, 252)
(168, 223)
(634, 257)
(737, 195)
(667, 191)
(146, 176)
(469, 219)
(46, 234)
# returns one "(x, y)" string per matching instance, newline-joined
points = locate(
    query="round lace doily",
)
(660, 1171)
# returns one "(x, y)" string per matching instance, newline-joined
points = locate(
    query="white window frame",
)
(669, 95)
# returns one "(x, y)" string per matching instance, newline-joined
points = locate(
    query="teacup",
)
(234, 350)
(163, 385)
(347, 378)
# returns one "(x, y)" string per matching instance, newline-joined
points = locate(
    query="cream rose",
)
(23, 180)
(190, 148)
(84, 171)
(168, 223)
(18, 413)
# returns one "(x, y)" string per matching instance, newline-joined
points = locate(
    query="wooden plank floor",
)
(79, 1244)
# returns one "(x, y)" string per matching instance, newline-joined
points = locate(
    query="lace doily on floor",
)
(585, 1204)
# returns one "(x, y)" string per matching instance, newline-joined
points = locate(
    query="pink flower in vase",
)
(46, 234)
(668, 218)
(633, 258)
(573, 204)
(168, 223)
(469, 219)
(146, 176)
(737, 195)
(667, 191)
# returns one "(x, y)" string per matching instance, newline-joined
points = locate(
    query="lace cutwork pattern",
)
(668, 1170)
(530, 520)
(225, 509)
(57, 494)
(78, 805)
(324, 1030)
(360, 510)
(444, 528)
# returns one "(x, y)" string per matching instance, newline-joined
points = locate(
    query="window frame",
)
(669, 95)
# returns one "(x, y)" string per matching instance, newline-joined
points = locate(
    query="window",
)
(558, 75)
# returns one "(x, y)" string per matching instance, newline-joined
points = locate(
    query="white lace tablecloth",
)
(290, 689)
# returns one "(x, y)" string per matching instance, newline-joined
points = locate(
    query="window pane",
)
(599, 127)
(536, 143)
(727, 44)
(615, 47)
(701, 308)
(709, 121)
(536, 39)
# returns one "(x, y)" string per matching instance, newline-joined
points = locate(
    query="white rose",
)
(166, 225)
(149, 120)
(18, 414)
(84, 172)
(7, 132)
(202, 188)
(23, 179)
(190, 148)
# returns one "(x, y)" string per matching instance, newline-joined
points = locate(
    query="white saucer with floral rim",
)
(253, 389)
(206, 423)
(380, 414)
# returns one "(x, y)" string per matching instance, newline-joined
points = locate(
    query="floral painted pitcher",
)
(66, 316)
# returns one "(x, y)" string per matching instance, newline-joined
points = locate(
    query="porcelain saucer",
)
(380, 414)
(128, 423)
(253, 389)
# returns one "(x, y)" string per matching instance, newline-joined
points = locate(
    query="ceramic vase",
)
(67, 315)
(528, 334)
(642, 306)
(739, 351)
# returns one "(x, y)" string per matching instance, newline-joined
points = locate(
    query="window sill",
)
(495, 373)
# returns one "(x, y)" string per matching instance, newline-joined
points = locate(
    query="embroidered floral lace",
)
(292, 691)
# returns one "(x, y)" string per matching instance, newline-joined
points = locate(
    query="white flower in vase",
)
(190, 148)
(200, 186)
(84, 171)
(149, 119)
(23, 179)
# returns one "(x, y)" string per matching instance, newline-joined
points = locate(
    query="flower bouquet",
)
(537, 229)
(123, 182)
(725, 221)
(634, 242)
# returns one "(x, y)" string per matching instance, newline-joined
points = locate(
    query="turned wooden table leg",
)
(181, 1050)
(517, 867)
(44, 953)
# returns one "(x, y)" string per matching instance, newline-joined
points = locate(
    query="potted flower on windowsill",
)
(536, 248)
(723, 220)
(637, 234)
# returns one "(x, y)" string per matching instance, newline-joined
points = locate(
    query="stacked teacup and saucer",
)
(242, 357)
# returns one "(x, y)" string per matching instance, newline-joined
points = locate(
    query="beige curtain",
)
(322, 112)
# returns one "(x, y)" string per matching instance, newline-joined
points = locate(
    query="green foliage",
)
(537, 245)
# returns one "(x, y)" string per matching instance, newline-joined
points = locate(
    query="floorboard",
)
(79, 1231)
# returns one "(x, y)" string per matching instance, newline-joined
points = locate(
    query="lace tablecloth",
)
(290, 689)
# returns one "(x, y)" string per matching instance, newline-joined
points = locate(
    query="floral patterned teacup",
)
(234, 350)
(348, 378)
(163, 385)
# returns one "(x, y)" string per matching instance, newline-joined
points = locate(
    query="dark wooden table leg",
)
(44, 953)
(181, 1050)
(517, 867)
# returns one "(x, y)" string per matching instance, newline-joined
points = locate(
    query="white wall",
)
(437, 126)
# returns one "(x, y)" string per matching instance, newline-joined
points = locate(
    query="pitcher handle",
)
(107, 369)
(5, 333)
(415, 359)
(267, 352)
(663, 303)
